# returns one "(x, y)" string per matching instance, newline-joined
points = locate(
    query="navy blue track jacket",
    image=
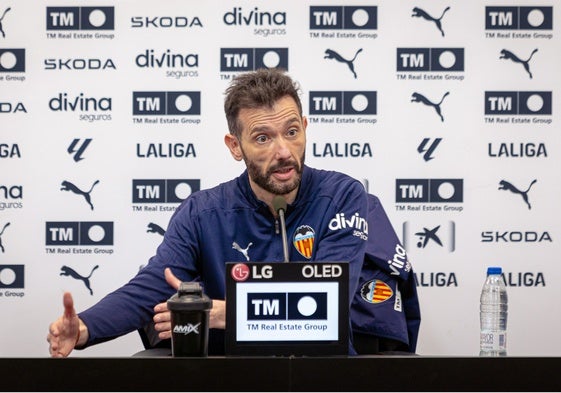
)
(227, 223)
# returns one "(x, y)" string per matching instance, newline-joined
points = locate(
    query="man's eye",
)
(292, 132)
(261, 139)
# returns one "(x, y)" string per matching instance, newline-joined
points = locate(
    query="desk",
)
(361, 373)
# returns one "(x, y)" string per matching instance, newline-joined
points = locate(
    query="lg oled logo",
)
(80, 18)
(173, 103)
(249, 59)
(343, 18)
(518, 102)
(430, 59)
(518, 18)
(343, 103)
(163, 190)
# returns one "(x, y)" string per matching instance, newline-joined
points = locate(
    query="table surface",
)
(356, 373)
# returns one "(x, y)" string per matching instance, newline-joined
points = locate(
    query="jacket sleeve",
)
(386, 304)
(344, 237)
(131, 306)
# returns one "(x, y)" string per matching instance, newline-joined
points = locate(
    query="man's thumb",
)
(173, 281)
(68, 303)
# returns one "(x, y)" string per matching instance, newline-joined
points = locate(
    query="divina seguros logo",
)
(11, 197)
(177, 64)
(264, 23)
(90, 108)
(355, 222)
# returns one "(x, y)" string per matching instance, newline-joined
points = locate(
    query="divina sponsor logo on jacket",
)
(340, 221)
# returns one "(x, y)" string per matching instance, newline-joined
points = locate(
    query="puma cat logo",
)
(1, 233)
(420, 13)
(244, 251)
(506, 54)
(67, 186)
(1, 19)
(505, 185)
(417, 97)
(331, 54)
(155, 228)
(68, 271)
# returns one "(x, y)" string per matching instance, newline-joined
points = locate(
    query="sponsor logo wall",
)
(111, 114)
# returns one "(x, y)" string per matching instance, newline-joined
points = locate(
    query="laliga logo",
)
(187, 329)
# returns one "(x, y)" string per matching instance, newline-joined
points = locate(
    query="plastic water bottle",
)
(493, 314)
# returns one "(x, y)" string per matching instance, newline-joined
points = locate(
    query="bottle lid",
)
(189, 297)
(494, 270)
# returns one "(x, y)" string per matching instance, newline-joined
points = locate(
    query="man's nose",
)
(282, 148)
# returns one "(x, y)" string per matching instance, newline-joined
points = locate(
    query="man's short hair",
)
(261, 88)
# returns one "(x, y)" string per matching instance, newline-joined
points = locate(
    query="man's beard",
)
(265, 180)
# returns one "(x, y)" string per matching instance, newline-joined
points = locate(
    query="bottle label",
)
(493, 340)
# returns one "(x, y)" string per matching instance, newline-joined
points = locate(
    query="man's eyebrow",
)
(266, 127)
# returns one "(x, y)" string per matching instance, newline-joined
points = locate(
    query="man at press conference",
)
(267, 130)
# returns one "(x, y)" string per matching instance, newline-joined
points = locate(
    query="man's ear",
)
(233, 145)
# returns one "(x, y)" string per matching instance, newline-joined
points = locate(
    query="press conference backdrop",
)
(111, 114)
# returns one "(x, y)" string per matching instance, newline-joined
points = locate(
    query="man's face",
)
(272, 144)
